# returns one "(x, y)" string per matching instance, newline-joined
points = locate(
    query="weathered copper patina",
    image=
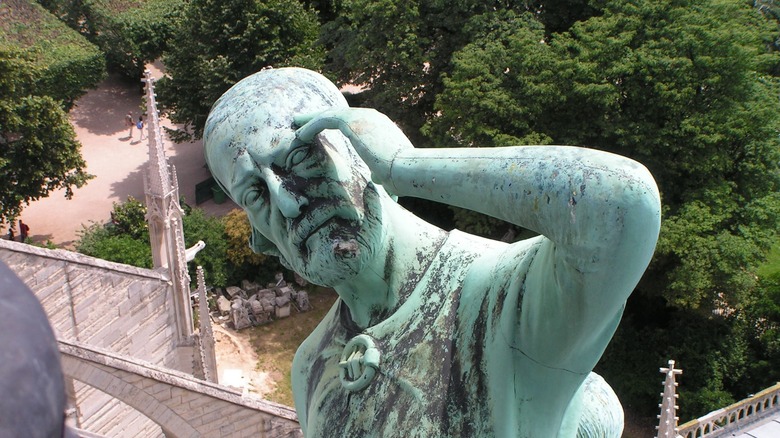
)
(435, 333)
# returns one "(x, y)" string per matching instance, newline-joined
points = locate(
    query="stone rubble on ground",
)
(300, 281)
(251, 305)
(223, 304)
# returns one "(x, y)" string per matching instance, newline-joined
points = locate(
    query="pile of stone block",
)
(250, 305)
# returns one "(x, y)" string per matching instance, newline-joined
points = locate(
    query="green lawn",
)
(772, 264)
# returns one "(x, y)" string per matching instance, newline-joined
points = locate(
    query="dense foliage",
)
(679, 88)
(220, 42)
(226, 258)
(44, 68)
(211, 230)
(399, 50)
(124, 239)
(64, 64)
(131, 33)
(137, 36)
(243, 262)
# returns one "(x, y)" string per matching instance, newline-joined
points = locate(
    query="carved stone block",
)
(302, 301)
(223, 304)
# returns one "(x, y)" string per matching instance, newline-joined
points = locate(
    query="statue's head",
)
(313, 205)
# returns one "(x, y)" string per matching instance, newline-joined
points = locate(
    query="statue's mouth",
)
(338, 226)
(340, 220)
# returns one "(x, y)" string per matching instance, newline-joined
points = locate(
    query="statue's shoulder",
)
(499, 264)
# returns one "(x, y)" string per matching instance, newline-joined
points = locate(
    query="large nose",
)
(289, 201)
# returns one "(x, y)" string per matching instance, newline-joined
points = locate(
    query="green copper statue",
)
(435, 333)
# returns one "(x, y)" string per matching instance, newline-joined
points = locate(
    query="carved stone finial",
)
(667, 419)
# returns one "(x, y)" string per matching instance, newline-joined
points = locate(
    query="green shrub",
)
(243, 262)
(197, 226)
(66, 64)
(98, 241)
(131, 33)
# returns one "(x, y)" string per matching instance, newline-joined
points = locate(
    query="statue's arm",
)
(601, 213)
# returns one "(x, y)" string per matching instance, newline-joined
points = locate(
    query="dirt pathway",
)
(237, 362)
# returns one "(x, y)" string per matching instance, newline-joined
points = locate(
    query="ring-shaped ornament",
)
(359, 355)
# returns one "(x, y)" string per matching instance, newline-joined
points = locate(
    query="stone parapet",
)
(181, 405)
(736, 417)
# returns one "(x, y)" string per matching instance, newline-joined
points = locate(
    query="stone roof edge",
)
(74, 257)
(173, 377)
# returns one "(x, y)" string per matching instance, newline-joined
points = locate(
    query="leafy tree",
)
(680, 87)
(97, 240)
(327, 10)
(197, 226)
(131, 33)
(239, 231)
(77, 14)
(218, 43)
(44, 68)
(245, 263)
(66, 64)
(500, 86)
(135, 36)
(39, 152)
(559, 15)
(398, 49)
(402, 50)
(124, 239)
(129, 218)
(771, 10)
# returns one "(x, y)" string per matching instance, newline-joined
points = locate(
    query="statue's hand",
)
(373, 135)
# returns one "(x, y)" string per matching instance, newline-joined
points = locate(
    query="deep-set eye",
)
(253, 195)
(297, 155)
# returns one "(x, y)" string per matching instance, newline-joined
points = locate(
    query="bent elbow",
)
(640, 222)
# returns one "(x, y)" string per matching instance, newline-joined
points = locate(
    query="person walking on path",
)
(129, 123)
(24, 231)
(140, 126)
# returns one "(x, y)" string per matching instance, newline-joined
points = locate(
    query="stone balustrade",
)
(723, 421)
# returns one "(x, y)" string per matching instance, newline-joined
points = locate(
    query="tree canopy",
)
(402, 51)
(63, 64)
(131, 33)
(219, 43)
(44, 68)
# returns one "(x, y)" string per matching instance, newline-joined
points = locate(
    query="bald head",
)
(258, 112)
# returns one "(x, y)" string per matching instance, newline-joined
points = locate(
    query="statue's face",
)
(313, 205)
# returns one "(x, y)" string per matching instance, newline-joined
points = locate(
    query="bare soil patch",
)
(259, 359)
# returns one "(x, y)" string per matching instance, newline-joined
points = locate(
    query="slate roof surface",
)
(768, 428)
